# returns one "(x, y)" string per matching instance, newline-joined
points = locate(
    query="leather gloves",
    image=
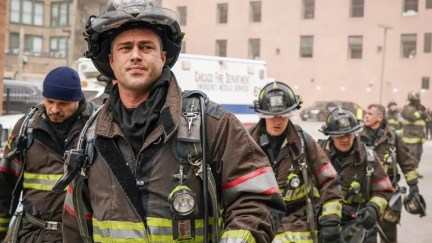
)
(330, 230)
(368, 216)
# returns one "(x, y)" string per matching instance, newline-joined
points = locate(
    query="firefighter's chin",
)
(56, 118)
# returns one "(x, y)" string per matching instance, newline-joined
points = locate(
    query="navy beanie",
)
(62, 83)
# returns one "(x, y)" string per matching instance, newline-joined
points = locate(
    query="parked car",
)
(20, 96)
(320, 109)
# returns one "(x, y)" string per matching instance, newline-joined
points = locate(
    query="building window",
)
(428, 4)
(408, 45)
(33, 45)
(222, 13)
(221, 48)
(308, 9)
(355, 47)
(255, 11)
(410, 8)
(254, 48)
(428, 42)
(13, 43)
(59, 47)
(425, 83)
(357, 8)
(306, 46)
(60, 14)
(26, 12)
(182, 13)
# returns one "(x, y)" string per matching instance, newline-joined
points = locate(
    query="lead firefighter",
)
(365, 185)
(162, 168)
(33, 160)
(306, 178)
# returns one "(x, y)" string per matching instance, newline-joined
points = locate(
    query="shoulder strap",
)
(305, 152)
(24, 141)
(370, 161)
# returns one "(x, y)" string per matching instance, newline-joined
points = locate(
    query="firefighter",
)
(306, 178)
(414, 123)
(365, 186)
(33, 160)
(391, 151)
(164, 168)
(393, 117)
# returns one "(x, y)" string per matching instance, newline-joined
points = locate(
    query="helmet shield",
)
(339, 122)
(122, 15)
(276, 99)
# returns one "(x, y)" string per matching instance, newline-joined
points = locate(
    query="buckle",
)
(52, 225)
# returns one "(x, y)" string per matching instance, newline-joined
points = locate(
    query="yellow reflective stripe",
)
(331, 208)
(299, 193)
(411, 175)
(4, 223)
(43, 182)
(290, 236)
(240, 236)
(118, 231)
(159, 230)
(413, 140)
(359, 114)
(358, 198)
(415, 123)
(417, 114)
(380, 202)
(5, 220)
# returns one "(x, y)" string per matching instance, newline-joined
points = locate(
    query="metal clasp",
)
(190, 117)
(52, 225)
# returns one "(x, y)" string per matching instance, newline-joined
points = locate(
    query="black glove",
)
(330, 229)
(413, 189)
(368, 216)
(330, 233)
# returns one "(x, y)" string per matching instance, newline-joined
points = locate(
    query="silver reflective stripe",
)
(233, 240)
(260, 181)
(119, 234)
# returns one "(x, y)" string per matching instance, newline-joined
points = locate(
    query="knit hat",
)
(62, 83)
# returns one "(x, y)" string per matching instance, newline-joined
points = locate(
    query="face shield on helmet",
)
(122, 15)
(339, 122)
(276, 99)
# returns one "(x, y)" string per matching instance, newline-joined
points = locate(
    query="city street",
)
(412, 228)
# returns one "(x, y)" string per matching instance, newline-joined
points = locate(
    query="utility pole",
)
(385, 27)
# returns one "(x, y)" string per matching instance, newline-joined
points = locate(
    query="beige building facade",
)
(323, 49)
(41, 35)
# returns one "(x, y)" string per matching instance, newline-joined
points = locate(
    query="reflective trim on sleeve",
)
(237, 236)
(69, 207)
(381, 185)
(415, 123)
(413, 140)
(332, 208)
(380, 202)
(260, 181)
(43, 182)
(13, 167)
(298, 237)
(411, 175)
(417, 114)
(325, 173)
